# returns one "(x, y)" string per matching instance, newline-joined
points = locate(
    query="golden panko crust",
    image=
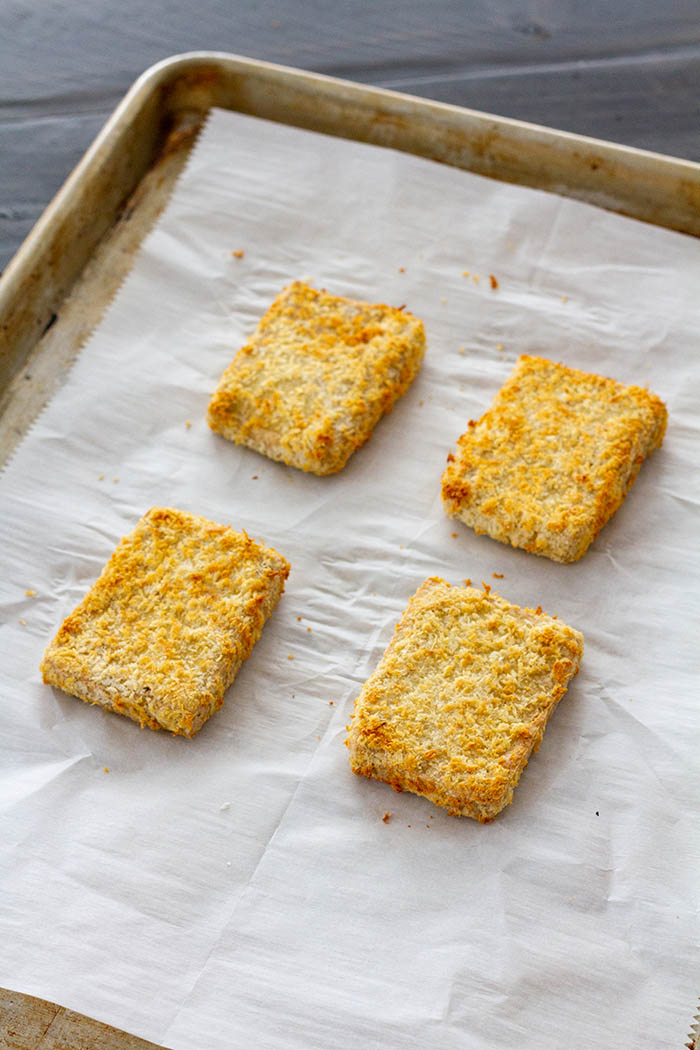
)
(316, 377)
(552, 459)
(462, 697)
(162, 633)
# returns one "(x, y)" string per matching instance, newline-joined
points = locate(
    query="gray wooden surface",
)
(629, 71)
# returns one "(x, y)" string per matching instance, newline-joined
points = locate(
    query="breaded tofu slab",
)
(164, 630)
(316, 377)
(552, 459)
(461, 698)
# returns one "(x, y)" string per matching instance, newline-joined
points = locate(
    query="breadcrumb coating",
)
(553, 458)
(162, 633)
(316, 377)
(462, 697)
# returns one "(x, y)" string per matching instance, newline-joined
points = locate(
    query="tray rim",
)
(163, 74)
(650, 186)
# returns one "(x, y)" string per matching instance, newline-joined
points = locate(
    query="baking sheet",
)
(241, 888)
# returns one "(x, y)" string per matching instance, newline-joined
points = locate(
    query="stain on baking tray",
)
(205, 78)
(50, 323)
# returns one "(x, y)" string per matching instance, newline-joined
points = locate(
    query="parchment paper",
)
(241, 889)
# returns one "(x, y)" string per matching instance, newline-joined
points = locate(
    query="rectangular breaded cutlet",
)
(316, 377)
(552, 459)
(461, 698)
(164, 630)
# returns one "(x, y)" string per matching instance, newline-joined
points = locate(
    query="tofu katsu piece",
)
(461, 698)
(316, 377)
(553, 458)
(161, 635)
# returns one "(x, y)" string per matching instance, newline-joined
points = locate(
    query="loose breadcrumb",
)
(386, 818)
(22, 621)
(106, 769)
(163, 632)
(188, 423)
(316, 377)
(497, 575)
(551, 461)
(494, 282)
(238, 254)
(30, 593)
(461, 698)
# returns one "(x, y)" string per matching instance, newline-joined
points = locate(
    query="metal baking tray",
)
(58, 285)
(56, 288)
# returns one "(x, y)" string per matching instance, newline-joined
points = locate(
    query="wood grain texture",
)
(27, 1023)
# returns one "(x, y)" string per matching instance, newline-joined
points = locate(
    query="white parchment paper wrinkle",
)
(241, 889)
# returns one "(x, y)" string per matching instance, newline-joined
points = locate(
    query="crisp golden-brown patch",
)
(164, 630)
(461, 698)
(316, 377)
(552, 459)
